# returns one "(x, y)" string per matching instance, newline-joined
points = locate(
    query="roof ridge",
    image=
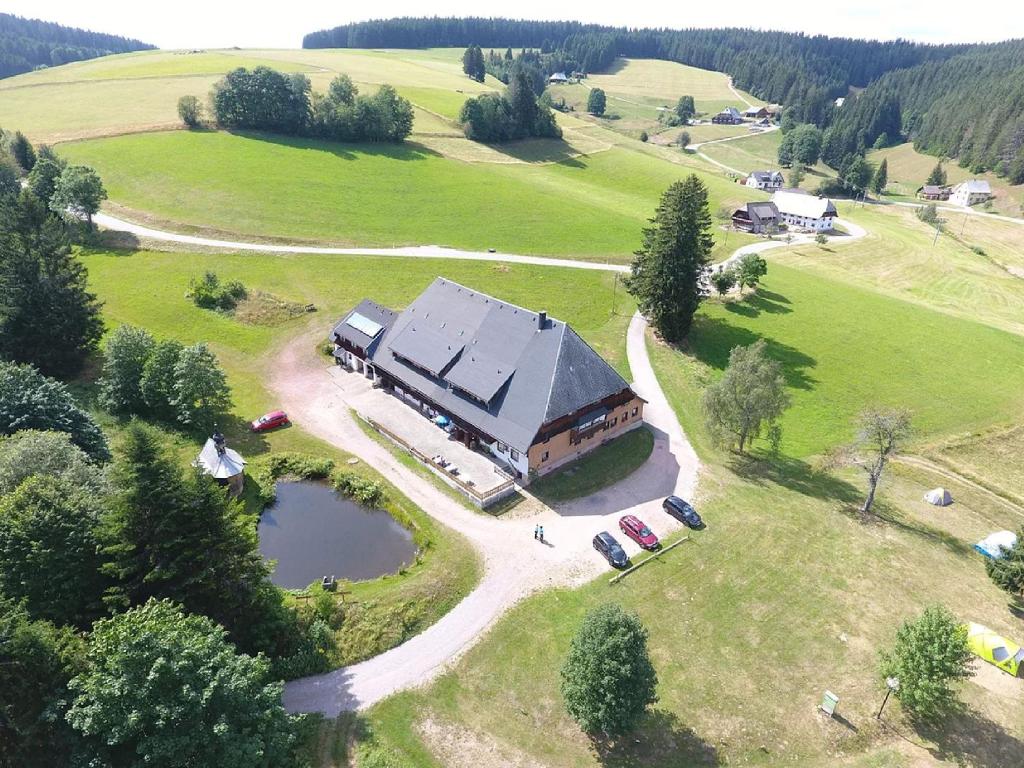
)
(507, 303)
(554, 370)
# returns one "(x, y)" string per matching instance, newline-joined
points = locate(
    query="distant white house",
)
(558, 78)
(799, 209)
(769, 181)
(971, 192)
(840, 101)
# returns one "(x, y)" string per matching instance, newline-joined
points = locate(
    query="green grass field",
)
(139, 91)
(788, 592)
(269, 186)
(760, 152)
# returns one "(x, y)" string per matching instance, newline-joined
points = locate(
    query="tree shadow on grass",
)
(661, 740)
(967, 737)
(405, 150)
(753, 304)
(883, 513)
(795, 475)
(712, 339)
(542, 151)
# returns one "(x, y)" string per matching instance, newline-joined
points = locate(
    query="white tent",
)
(940, 497)
(222, 463)
(997, 544)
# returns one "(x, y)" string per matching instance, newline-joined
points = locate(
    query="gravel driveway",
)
(514, 565)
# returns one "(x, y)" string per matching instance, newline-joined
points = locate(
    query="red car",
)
(269, 421)
(634, 527)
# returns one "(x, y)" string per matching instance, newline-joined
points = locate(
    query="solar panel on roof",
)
(364, 324)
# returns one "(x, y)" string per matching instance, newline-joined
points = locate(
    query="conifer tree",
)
(668, 272)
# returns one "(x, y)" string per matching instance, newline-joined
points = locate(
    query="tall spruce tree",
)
(47, 316)
(169, 534)
(881, 177)
(937, 178)
(669, 271)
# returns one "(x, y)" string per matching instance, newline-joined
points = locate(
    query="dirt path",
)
(315, 396)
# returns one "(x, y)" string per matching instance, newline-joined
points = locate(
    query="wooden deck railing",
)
(483, 498)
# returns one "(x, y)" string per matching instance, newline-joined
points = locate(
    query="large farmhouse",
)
(515, 382)
(801, 210)
(971, 192)
(728, 116)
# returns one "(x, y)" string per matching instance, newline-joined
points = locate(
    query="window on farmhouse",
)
(544, 456)
(502, 448)
(514, 454)
(636, 411)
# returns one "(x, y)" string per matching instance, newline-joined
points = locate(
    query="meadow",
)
(789, 591)
(908, 170)
(276, 187)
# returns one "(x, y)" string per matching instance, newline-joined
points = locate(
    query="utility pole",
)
(963, 226)
(935, 239)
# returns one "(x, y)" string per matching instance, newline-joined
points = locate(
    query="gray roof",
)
(767, 176)
(976, 186)
(351, 328)
(506, 370)
(731, 111)
(763, 210)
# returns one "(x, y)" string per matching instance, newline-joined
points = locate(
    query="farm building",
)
(971, 192)
(223, 464)
(766, 180)
(514, 382)
(755, 113)
(558, 78)
(728, 116)
(758, 218)
(804, 211)
(932, 192)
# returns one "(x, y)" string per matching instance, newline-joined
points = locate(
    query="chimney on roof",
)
(542, 320)
(219, 442)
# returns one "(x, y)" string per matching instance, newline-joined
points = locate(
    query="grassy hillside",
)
(139, 91)
(908, 170)
(254, 185)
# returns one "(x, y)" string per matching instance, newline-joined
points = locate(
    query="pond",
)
(312, 532)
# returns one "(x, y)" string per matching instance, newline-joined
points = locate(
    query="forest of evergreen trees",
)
(970, 107)
(806, 73)
(27, 44)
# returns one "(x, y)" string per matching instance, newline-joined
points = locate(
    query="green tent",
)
(987, 645)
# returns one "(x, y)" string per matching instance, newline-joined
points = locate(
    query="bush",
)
(369, 493)
(31, 452)
(209, 293)
(643, 136)
(189, 111)
(929, 214)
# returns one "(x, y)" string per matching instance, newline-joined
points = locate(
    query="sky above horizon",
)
(216, 23)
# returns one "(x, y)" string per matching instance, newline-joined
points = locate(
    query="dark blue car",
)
(613, 552)
(682, 511)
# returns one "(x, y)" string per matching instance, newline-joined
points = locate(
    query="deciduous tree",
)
(685, 109)
(748, 400)
(43, 179)
(36, 662)
(78, 192)
(929, 655)
(201, 393)
(49, 550)
(29, 400)
(608, 680)
(125, 355)
(750, 268)
(31, 452)
(157, 383)
(881, 432)
(190, 111)
(596, 102)
(723, 280)
(669, 270)
(164, 688)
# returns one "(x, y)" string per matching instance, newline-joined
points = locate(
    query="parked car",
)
(635, 528)
(682, 511)
(269, 421)
(613, 552)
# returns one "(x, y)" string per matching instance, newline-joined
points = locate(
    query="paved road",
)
(316, 398)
